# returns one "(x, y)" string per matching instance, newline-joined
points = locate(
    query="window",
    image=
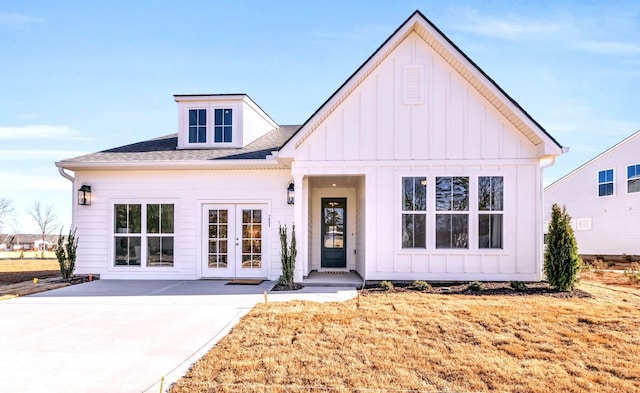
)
(222, 125)
(128, 237)
(197, 126)
(633, 178)
(159, 235)
(605, 182)
(154, 240)
(414, 207)
(490, 207)
(452, 196)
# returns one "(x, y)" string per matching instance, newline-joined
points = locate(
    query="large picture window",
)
(452, 198)
(633, 178)
(490, 209)
(414, 208)
(605, 182)
(135, 242)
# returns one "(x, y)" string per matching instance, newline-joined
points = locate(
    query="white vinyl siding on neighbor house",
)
(603, 225)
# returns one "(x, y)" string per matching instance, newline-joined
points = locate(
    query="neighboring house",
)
(26, 242)
(603, 198)
(418, 167)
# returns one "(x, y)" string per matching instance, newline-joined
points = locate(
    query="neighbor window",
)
(135, 242)
(414, 209)
(605, 182)
(633, 178)
(490, 208)
(197, 126)
(452, 197)
(222, 125)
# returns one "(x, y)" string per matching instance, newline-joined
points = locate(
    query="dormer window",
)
(222, 130)
(197, 126)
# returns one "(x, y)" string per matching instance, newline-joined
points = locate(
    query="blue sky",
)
(79, 77)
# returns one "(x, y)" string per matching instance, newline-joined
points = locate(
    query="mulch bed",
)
(281, 287)
(490, 288)
(16, 277)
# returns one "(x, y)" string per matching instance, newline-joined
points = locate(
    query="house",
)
(418, 167)
(603, 198)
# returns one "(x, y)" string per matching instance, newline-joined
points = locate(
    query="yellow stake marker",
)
(162, 384)
(35, 280)
(265, 297)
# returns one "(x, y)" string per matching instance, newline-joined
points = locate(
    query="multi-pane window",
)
(218, 238)
(160, 235)
(128, 234)
(414, 207)
(452, 198)
(605, 182)
(251, 238)
(135, 243)
(633, 178)
(490, 208)
(197, 126)
(222, 131)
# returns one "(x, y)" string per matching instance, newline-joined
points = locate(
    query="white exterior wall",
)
(453, 132)
(255, 123)
(614, 220)
(188, 190)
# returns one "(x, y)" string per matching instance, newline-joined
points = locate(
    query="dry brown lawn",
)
(425, 342)
(16, 276)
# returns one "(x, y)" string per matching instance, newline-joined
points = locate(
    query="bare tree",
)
(6, 212)
(45, 218)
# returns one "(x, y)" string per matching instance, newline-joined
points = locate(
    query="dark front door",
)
(334, 239)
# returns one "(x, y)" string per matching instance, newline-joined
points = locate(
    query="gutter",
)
(65, 174)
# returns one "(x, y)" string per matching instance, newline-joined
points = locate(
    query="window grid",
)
(414, 209)
(197, 126)
(222, 130)
(633, 178)
(490, 209)
(452, 196)
(605, 182)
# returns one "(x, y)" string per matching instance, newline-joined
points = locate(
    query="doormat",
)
(244, 282)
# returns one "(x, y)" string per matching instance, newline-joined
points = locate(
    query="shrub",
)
(66, 254)
(288, 256)
(598, 267)
(519, 286)
(561, 259)
(632, 273)
(386, 285)
(421, 285)
(475, 286)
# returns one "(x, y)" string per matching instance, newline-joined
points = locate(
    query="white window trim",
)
(626, 183)
(111, 266)
(612, 182)
(487, 212)
(431, 212)
(236, 125)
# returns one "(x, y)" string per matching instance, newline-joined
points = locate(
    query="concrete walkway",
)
(123, 336)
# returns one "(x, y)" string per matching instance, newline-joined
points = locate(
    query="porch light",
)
(290, 194)
(84, 195)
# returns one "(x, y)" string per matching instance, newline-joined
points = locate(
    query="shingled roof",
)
(165, 149)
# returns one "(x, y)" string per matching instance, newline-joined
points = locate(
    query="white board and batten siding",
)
(383, 130)
(189, 191)
(603, 225)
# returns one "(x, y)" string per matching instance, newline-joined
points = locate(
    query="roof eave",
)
(268, 163)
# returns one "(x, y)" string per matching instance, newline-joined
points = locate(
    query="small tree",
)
(561, 260)
(45, 218)
(6, 212)
(66, 254)
(288, 256)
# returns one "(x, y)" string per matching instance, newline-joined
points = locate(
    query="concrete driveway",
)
(122, 336)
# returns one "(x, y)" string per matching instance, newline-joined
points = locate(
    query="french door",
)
(234, 240)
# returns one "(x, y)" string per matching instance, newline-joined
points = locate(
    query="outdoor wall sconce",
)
(290, 194)
(84, 195)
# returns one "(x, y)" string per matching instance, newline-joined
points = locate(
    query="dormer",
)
(210, 121)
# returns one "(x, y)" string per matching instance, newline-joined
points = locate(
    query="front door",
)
(333, 233)
(234, 240)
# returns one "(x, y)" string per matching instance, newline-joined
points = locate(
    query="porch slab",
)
(331, 279)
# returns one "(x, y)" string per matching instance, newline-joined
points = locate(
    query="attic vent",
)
(583, 224)
(413, 85)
